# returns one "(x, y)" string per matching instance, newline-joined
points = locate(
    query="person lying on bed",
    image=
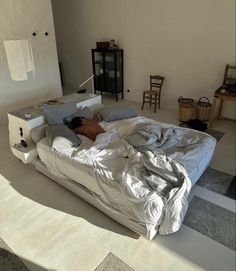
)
(89, 128)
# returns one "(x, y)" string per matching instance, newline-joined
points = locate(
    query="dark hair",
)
(76, 122)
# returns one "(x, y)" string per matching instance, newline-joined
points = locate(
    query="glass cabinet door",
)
(99, 70)
(119, 70)
(110, 71)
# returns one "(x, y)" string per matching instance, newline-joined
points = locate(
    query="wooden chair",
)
(153, 95)
(230, 75)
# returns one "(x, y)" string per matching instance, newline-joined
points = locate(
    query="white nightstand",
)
(25, 154)
(22, 121)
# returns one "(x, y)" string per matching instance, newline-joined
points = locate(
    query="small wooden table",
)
(222, 96)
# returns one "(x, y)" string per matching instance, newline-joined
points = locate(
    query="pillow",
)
(83, 113)
(117, 113)
(96, 107)
(38, 133)
(56, 113)
(60, 137)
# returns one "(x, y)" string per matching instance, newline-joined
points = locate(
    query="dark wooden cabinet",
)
(108, 71)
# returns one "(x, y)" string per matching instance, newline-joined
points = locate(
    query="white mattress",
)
(62, 165)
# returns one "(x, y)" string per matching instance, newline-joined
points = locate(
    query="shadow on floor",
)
(9, 261)
(36, 186)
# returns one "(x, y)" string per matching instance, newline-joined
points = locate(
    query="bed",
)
(142, 189)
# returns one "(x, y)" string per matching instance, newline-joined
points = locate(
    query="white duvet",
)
(151, 190)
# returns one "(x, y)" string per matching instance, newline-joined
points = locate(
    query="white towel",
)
(20, 58)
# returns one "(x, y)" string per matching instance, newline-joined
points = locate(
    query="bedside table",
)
(20, 126)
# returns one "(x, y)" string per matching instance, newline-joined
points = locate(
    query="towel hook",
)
(46, 33)
(34, 34)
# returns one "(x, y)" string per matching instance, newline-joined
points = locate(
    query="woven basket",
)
(186, 109)
(204, 109)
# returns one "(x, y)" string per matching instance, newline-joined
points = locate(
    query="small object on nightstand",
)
(28, 115)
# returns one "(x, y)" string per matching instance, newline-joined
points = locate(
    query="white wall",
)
(187, 41)
(18, 20)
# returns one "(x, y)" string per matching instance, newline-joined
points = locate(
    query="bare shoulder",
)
(78, 130)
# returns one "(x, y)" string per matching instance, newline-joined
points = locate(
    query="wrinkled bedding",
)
(191, 148)
(150, 189)
(148, 185)
(149, 136)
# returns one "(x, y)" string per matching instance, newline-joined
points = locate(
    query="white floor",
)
(52, 229)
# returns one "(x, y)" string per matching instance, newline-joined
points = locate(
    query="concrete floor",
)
(52, 229)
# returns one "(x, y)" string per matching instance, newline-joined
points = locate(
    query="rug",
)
(216, 134)
(212, 220)
(218, 182)
(113, 263)
(231, 191)
(8, 260)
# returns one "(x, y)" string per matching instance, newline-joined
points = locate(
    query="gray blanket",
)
(149, 137)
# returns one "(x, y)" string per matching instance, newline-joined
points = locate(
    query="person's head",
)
(76, 122)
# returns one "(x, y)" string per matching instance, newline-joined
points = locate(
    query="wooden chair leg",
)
(143, 100)
(150, 100)
(212, 118)
(159, 101)
(220, 109)
(155, 109)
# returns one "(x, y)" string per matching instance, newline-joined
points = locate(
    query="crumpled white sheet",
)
(150, 190)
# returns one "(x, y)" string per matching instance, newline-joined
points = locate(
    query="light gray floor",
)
(52, 229)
